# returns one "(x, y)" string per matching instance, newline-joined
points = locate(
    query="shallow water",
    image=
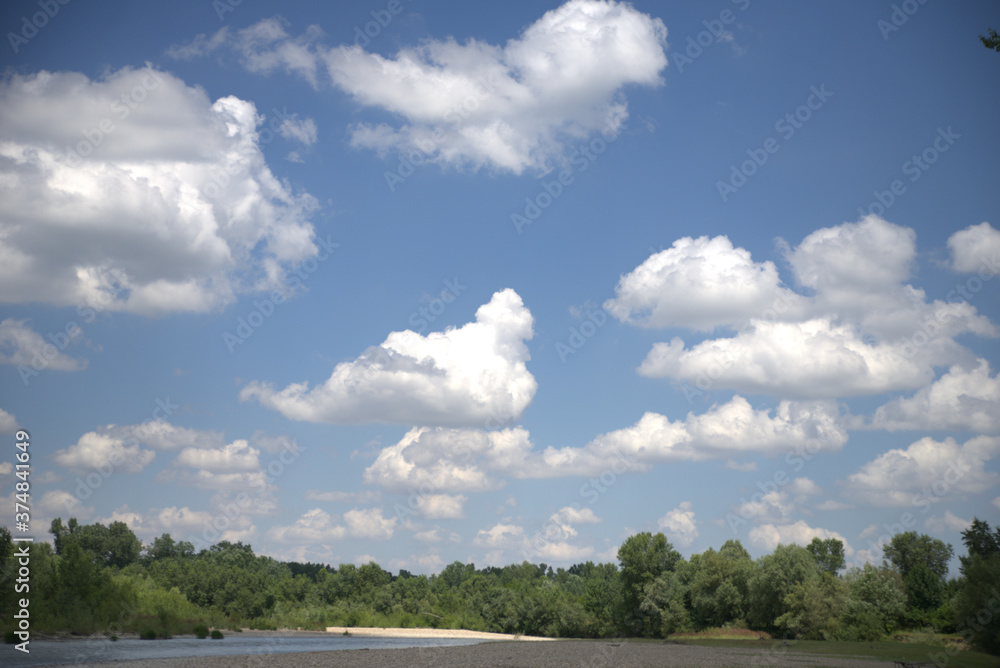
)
(44, 652)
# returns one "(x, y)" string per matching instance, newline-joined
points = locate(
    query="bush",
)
(148, 634)
(10, 637)
(217, 634)
(201, 631)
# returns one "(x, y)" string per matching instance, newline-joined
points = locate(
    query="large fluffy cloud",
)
(925, 472)
(975, 249)
(103, 452)
(510, 107)
(464, 460)
(136, 192)
(961, 399)
(862, 330)
(700, 283)
(471, 375)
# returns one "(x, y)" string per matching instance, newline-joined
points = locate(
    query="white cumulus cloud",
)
(769, 536)
(513, 107)
(926, 472)
(700, 283)
(136, 192)
(21, 345)
(680, 525)
(464, 376)
(963, 399)
(104, 452)
(975, 248)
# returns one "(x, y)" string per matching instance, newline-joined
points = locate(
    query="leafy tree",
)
(775, 577)
(908, 550)
(991, 40)
(980, 594)
(165, 547)
(876, 603)
(829, 554)
(644, 557)
(980, 541)
(923, 563)
(718, 590)
(602, 596)
(664, 604)
(814, 607)
(113, 545)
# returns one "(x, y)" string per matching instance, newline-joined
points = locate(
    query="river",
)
(93, 650)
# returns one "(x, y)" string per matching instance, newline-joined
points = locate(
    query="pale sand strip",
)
(372, 632)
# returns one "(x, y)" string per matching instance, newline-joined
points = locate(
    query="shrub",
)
(201, 631)
(10, 637)
(217, 634)
(148, 634)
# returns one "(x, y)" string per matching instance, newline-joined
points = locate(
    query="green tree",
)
(979, 540)
(876, 603)
(829, 554)
(980, 591)
(908, 550)
(775, 577)
(602, 596)
(923, 563)
(991, 40)
(718, 591)
(643, 557)
(664, 606)
(814, 607)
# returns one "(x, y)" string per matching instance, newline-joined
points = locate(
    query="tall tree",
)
(908, 550)
(979, 540)
(923, 563)
(643, 557)
(979, 592)
(829, 554)
(775, 577)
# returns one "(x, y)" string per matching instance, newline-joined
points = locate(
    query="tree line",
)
(97, 578)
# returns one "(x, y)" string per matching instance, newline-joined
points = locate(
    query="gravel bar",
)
(560, 654)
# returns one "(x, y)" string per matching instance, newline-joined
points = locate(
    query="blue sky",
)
(422, 282)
